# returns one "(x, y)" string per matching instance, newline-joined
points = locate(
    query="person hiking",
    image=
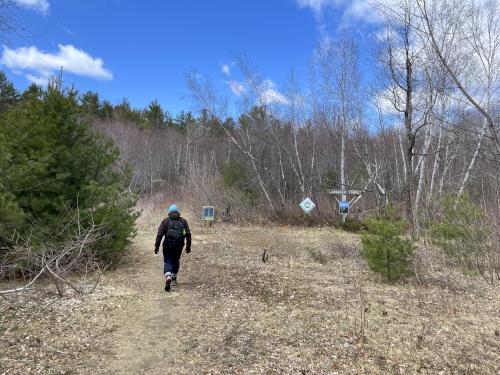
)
(174, 228)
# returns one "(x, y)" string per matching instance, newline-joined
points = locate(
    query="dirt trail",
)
(312, 308)
(149, 330)
(227, 315)
(147, 338)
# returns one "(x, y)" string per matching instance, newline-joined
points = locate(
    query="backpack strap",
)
(181, 220)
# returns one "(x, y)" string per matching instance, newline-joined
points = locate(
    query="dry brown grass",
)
(297, 313)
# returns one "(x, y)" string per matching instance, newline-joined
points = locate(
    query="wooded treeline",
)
(426, 127)
(423, 132)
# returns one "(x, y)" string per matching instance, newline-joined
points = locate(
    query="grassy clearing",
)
(312, 308)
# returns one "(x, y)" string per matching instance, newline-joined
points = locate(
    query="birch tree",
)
(400, 56)
(465, 37)
(340, 77)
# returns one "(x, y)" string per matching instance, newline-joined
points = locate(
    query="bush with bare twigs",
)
(468, 237)
(56, 260)
(64, 203)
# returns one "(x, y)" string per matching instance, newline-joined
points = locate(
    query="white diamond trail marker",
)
(307, 205)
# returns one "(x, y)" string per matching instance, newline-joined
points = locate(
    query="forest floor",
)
(312, 308)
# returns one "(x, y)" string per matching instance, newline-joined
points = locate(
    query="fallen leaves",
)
(232, 313)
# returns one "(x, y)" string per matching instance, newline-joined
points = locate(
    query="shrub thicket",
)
(353, 224)
(465, 234)
(54, 167)
(385, 249)
(235, 176)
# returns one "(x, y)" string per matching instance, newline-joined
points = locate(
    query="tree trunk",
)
(472, 163)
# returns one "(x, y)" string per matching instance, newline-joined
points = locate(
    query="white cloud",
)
(265, 92)
(39, 66)
(236, 87)
(317, 6)
(226, 69)
(368, 11)
(41, 6)
(386, 100)
(68, 31)
(364, 10)
(39, 80)
(269, 95)
(359, 10)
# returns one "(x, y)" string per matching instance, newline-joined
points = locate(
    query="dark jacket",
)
(162, 230)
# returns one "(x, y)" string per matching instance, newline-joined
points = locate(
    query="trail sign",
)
(345, 192)
(345, 204)
(344, 207)
(208, 213)
(307, 205)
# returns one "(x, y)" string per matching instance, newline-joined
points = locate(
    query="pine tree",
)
(8, 93)
(204, 118)
(124, 112)
(91, 104)
(106, 111)
(181, 120)
(169, 120)
(462, 231)
(54, 165)
(11, 216)
(385, 249)
(154, 115)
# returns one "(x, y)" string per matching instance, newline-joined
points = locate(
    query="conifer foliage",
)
(53, 166)
(385, 250)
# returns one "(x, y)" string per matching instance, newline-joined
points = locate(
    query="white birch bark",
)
(472, 163)
(421, 178)
(435, 167)
(403, 157)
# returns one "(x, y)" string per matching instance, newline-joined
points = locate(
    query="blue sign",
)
(208, 213)
(344, 207)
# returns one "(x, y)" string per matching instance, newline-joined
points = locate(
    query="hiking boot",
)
(168, 280)
(174, 282)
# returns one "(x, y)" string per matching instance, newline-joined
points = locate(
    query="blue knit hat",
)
(172, 208)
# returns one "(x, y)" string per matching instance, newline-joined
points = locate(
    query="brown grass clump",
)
(311, 308)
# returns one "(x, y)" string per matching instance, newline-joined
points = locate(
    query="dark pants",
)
(171, 258)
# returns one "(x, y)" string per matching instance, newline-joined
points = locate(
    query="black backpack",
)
(175, 232)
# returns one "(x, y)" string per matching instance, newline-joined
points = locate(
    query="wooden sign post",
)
(344, 203)
(208, 215)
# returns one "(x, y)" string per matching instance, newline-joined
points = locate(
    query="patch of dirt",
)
(312, 308)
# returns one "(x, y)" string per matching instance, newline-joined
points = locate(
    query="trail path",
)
(148, 342)
(152, 340)
(313, 308)
(230, 312)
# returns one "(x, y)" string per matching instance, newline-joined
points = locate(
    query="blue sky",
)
(141, 50)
